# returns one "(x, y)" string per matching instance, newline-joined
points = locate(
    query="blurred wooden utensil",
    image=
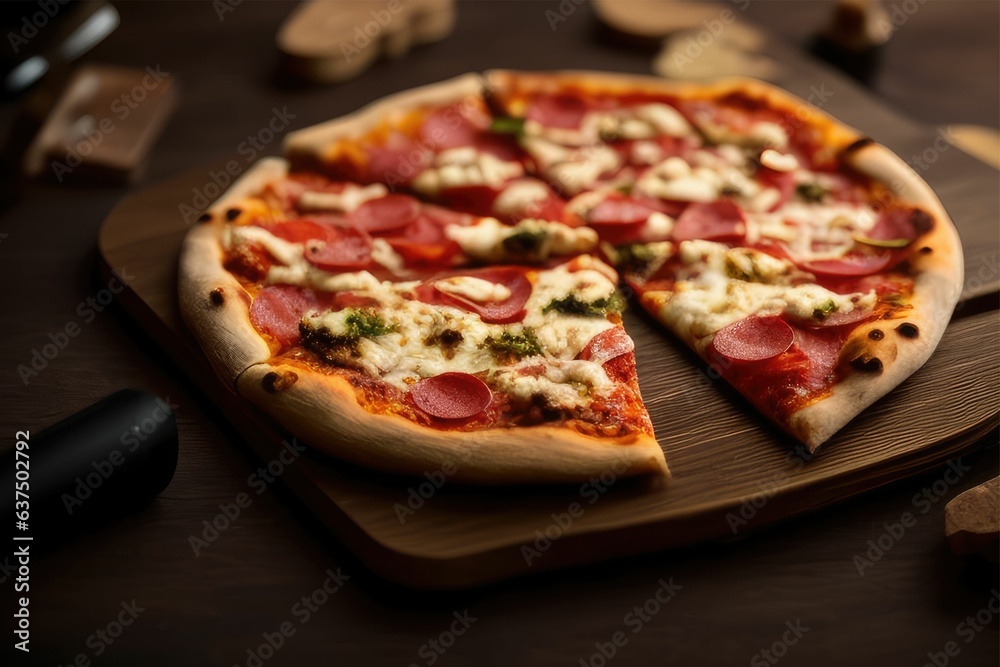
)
(328, 42)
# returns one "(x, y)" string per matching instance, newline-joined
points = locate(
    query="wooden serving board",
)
(732, 471)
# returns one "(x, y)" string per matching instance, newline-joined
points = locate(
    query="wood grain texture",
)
(721, 453)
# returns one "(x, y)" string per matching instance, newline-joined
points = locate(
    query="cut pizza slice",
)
(811, 268)
(508, 373)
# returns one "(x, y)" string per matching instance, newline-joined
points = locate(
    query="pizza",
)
(438, 279)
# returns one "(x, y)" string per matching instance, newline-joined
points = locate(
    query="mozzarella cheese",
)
(485, 239)
(718, 285)
(458, 167)
(349, 199)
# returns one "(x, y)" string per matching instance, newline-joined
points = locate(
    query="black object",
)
(105, 461)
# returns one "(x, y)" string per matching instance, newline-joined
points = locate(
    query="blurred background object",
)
(327, 42)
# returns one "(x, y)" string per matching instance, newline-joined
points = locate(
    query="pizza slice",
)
(305, 301)
(810, 267)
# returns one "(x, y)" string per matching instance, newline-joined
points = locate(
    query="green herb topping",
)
(512, 347)
(811, 192)
(507, 125)
(571, 305)
(824, 309)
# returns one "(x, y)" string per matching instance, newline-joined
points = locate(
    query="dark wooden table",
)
(733, 602)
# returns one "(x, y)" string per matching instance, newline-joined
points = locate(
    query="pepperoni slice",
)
(717, 220)
(340, 249)
(899, 225)
(477, 199)
(507, 311)
(850, 265)
(394, 211)
(423, 242)
(299, 230)
(754, 338)
(622, 211)
(453, 126)
(782, 181)
(560, 110)
(607, 345)
(618, 219)
(452, 395)
(276, 311)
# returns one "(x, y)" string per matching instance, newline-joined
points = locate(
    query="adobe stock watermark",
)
(435, 647)
(302, 611)
(634, 620)
(796, 459)
(130, 440)
(32, 23)
(591, 491)
(202, 196)
(968, 629)
(559, 15)
(58, 340)
(418, 494)
(898, 13)
(366, 33)
(103, 638)
(94, 135)
(259, 481)
(223, 7)
(779, 648)
(923, 501)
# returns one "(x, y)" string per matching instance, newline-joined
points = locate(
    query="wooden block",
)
(327, 42)
(972, 520)
(104, 125)
(654, 19)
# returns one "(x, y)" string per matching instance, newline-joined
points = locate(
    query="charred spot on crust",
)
(921, 221)
(217, 297)
(869, 365)
(926, 250)
(232, 214)
(274, 383)
(876, 334)
(204, 217)
(857, 145)
(908, 330)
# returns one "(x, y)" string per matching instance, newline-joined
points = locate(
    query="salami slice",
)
(276, 312)
(452, 395)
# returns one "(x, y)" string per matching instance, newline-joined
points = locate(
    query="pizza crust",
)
(323, 410)
(214, 305)
(937, 288)
(308, 148)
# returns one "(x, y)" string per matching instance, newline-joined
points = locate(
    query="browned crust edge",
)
(937, 288)
(213, 304)
(307, 147)
(324, 411)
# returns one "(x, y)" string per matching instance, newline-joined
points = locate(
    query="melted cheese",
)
(719, 285)
(485, 239)
(352, 197)
(458, 167)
